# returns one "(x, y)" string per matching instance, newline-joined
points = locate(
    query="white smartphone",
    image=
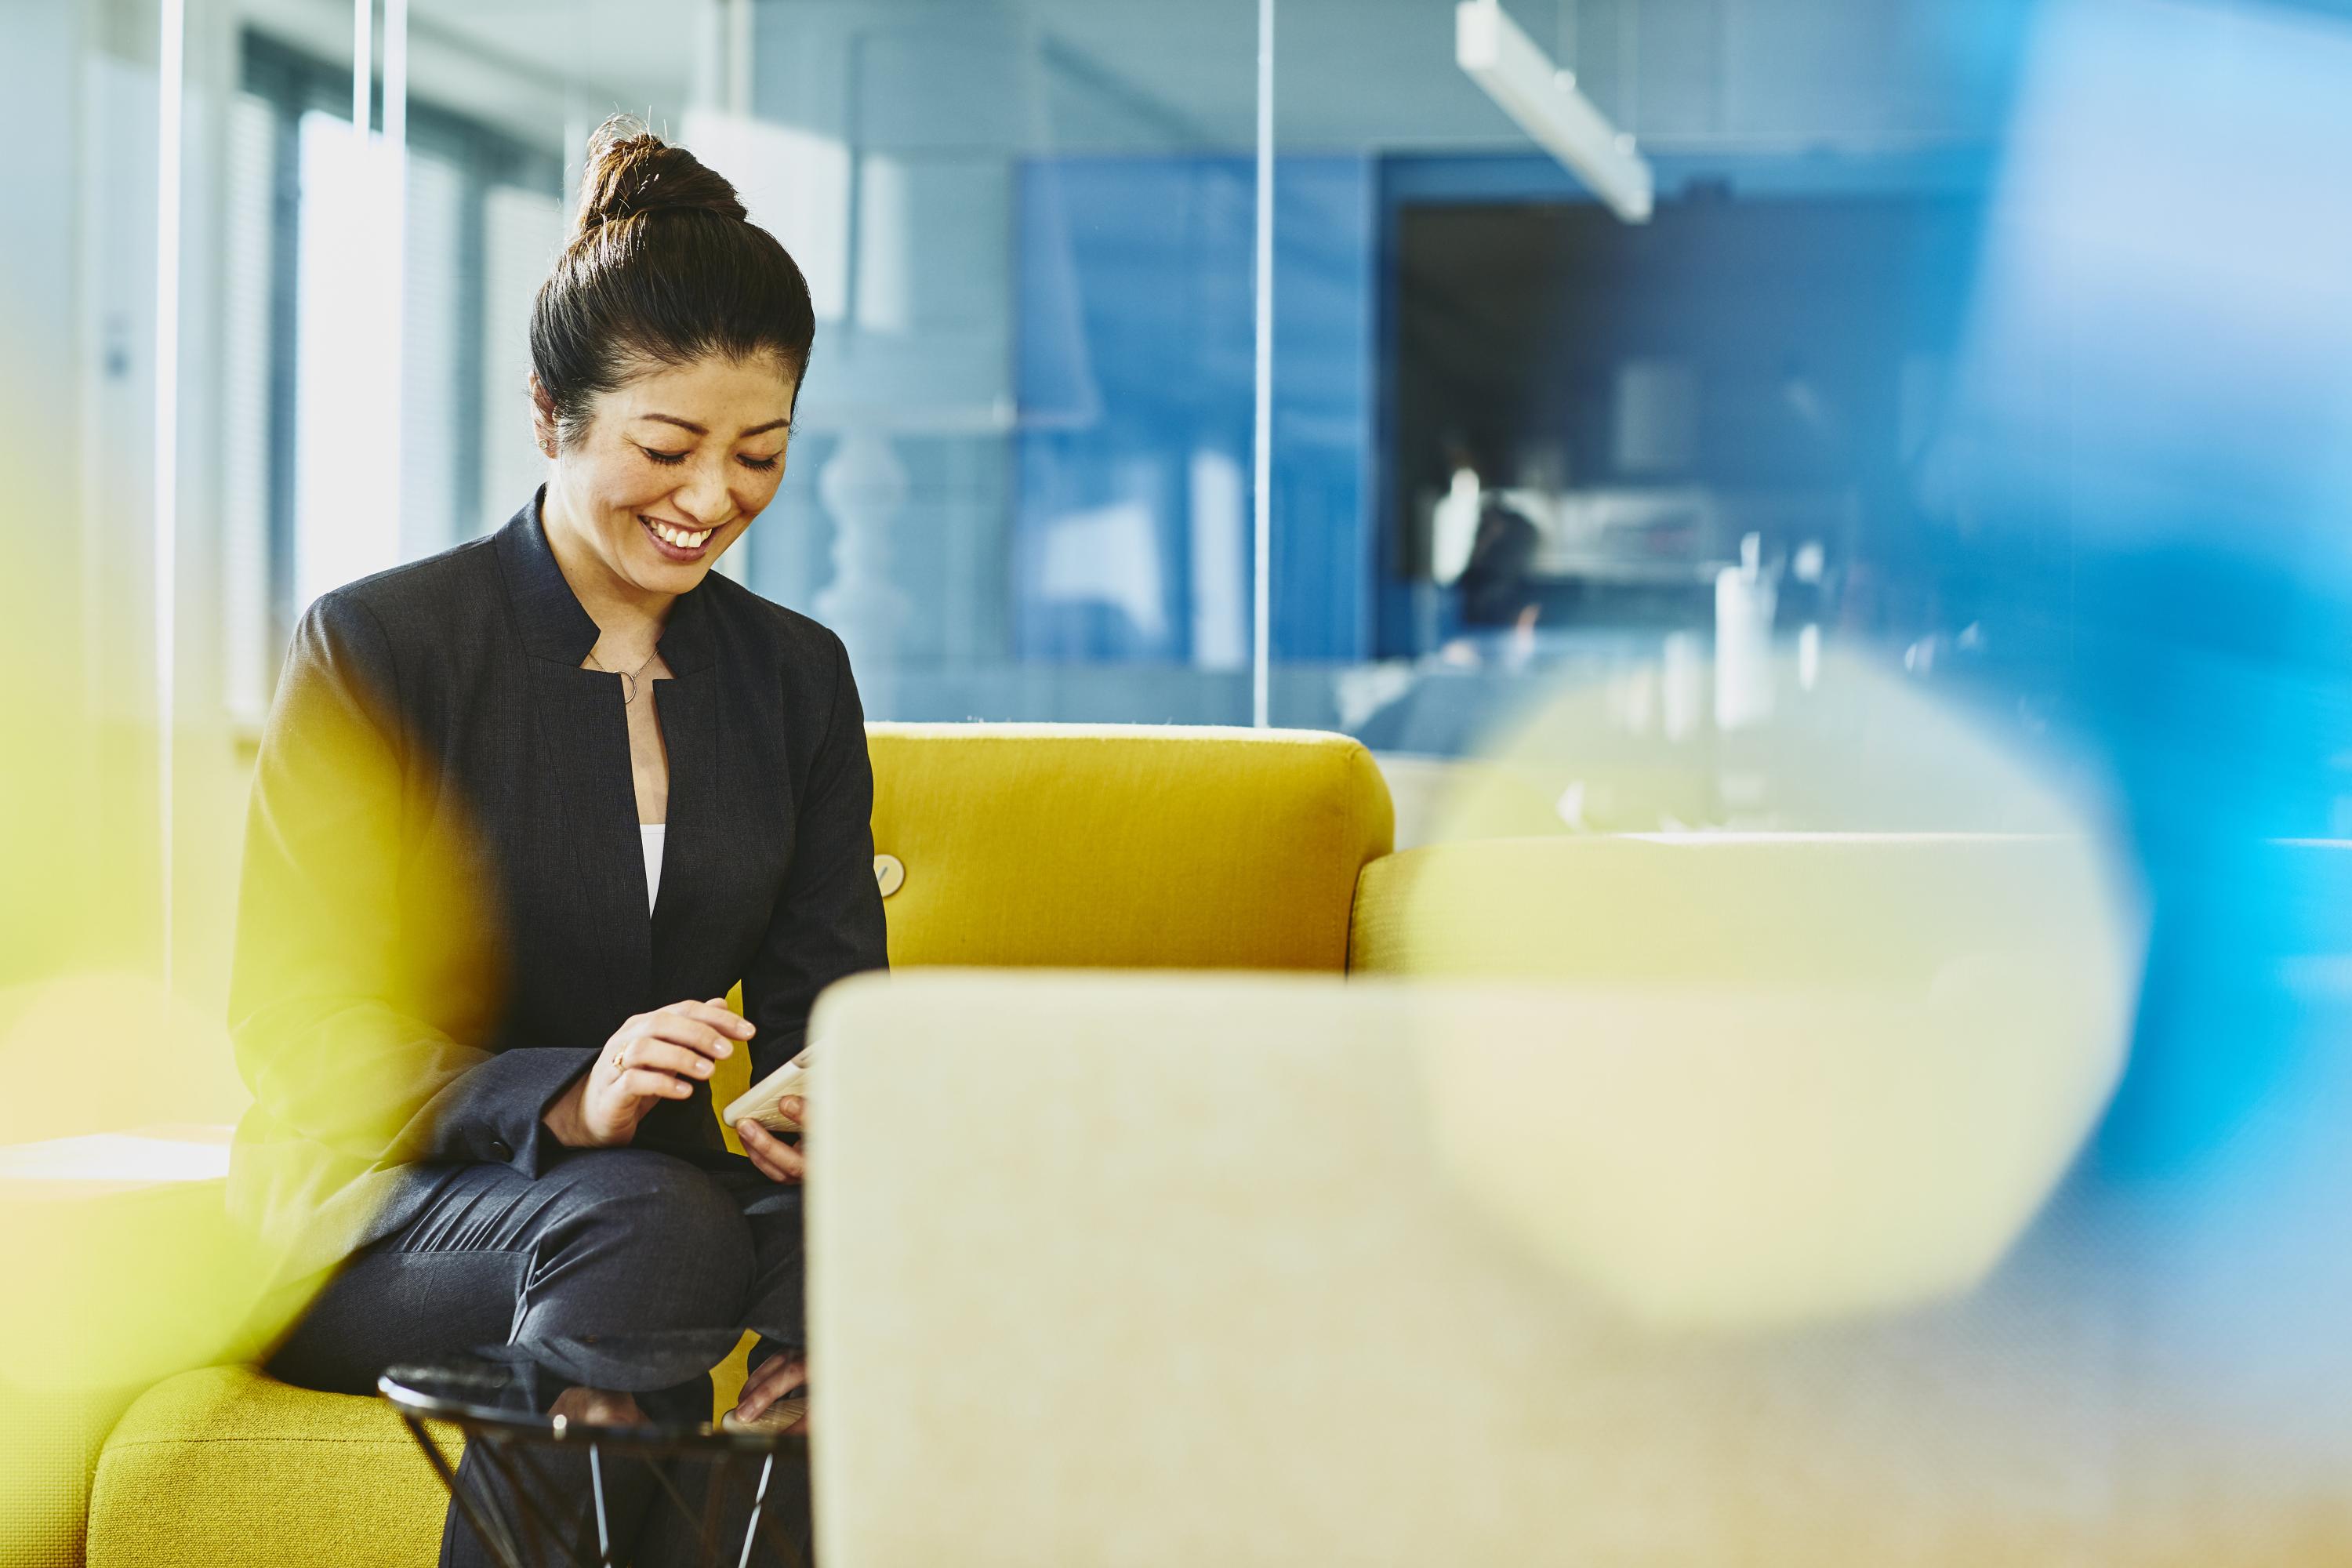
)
(759, 1103)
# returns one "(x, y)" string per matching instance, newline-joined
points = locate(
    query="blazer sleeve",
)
(827, 923)
(334, 957)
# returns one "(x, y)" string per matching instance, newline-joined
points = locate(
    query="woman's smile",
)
(674, 540)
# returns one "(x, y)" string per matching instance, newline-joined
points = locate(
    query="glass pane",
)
(1016, 489)
(1530, 452)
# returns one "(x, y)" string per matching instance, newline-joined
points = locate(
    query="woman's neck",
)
(627, 614)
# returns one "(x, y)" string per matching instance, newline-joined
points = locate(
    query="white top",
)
(652, 834)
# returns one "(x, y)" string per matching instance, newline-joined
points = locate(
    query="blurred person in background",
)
(1497, 590)
(524, 812)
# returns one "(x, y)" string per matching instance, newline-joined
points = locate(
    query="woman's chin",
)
(669, 577)
(659, 571)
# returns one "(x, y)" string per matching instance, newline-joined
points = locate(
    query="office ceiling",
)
(1359, 75)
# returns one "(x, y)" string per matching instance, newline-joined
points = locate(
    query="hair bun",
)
(631, 171)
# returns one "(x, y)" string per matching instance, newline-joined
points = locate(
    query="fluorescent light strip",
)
(1262, 626)
(395, 72)
(362, 63)
(1525, 84)
(396, 162)
(171, 70)
(117, 1157)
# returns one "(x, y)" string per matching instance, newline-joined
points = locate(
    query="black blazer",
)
(442, 916)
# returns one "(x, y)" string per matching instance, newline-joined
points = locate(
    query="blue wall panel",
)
(1134, 375)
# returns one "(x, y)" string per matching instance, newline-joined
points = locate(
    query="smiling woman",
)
(485, 1115)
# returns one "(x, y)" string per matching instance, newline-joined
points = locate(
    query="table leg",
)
(759, 1497)
(596, 1490)
(497, 1459)
(492, 1532)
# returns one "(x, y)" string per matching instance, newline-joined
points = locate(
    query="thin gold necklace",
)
(628, 676)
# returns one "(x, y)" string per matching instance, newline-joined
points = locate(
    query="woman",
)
(524, 812)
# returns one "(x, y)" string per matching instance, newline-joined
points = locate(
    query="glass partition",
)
(1663, 466)
(1016, 487)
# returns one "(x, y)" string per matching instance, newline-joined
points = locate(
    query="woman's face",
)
(672, 468)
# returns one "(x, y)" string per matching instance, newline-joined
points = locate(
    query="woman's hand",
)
(777, 1160)
(597, 1407)
(775, 1377)
(652, 1058)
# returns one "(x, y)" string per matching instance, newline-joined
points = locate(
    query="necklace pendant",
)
(628, 688)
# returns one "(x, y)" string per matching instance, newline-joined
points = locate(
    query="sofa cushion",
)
(1128, 847)
(228, 1465)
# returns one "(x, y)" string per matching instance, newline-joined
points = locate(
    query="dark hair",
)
(662, 267)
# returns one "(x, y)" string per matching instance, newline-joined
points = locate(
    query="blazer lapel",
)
(583, 744)
(688, 710)
(688, 706)
(584, 731)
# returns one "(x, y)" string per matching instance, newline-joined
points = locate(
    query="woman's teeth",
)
(679, 536)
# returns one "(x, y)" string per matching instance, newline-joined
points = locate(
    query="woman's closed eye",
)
(671, 459)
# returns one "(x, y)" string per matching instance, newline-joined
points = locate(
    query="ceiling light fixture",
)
(1523, 82)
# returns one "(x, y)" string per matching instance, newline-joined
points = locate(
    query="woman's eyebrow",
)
(700, 431)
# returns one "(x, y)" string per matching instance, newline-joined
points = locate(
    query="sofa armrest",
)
(123, 1270)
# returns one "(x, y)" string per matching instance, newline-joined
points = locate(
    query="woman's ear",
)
(542, 417)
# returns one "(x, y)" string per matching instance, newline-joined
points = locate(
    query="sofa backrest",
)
(1123, 845)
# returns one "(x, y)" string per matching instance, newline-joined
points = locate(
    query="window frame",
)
(292, 82)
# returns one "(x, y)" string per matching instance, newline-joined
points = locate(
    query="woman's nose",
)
(704, 496)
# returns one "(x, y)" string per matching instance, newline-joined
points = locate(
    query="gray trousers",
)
(607, 1243)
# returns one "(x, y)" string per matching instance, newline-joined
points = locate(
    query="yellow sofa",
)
(1222, 1204)
(1015, 846)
